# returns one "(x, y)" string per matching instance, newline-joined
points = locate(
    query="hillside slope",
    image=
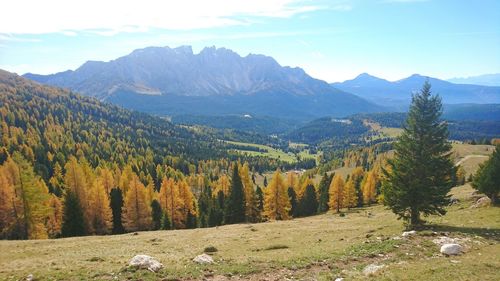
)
(322, 247)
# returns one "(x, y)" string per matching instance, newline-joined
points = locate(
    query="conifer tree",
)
(75, 179)
(171, 202)
(54, 220)
(156, 214)
(350, 196)
(337, 193)
(357, 177)
(73, 220)
(324, 193)
(487, 178)
(369, 188)
(187, 206)
(100, 208)
(260, 199)
(309, 202)
(10, 206)
(276, 201)
(116, 203)
(235, 206)
(136, 213)
(421, 170)
(251, 211)
(294, 205)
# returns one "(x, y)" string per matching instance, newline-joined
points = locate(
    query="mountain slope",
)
(486, 80)
(398, 93)
(169, 81)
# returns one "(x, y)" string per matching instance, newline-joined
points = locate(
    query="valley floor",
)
(316, 248)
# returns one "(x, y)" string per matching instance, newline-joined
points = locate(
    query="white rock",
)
(444, 240)
(339, 279)
(482, 202)
(145, 262)
(451, 249)
(372, 269)
(30, 277)
(408, 233)
(203, 259)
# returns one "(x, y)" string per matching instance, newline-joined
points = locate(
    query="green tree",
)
(73, 221)
(294, 206)
(418, 178)
(116, 202)
(487, 178)
(324, 195)
(309, 202)
(156, 214)
(235, 207)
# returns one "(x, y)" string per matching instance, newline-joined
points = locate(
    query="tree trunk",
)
(415, 217)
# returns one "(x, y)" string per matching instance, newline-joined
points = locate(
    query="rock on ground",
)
(339, 279)
(30, 277)
(372, 269)
(408, 233)
(482, 202)
(145, 262)
(451, 249)
(203, 259)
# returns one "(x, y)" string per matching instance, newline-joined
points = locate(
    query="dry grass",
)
(320, 247)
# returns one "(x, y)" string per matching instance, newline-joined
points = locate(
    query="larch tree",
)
(357, 177)
(126, 179)
(54, 220)
(336, 193)
(188, 203)
(75, 180)
(276, 201)
(369, 188)
(350, 195)
(170, 201)
(100, 208)
(487, 178)
(137, 212)
(107, 179)
(421, 170)
(10, 208)
(251, 210)
(235, 206)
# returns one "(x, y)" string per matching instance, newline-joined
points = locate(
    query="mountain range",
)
(216, 81)
(397, 94)
(485, 79)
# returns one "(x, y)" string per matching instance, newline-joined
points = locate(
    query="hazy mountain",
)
(486, 80)
(169, 81)
(398, 94)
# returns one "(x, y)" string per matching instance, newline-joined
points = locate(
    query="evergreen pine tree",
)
(260, 198)
(324, 195)
(309, 202)
(156, 214)
(419, 176)
(166, 224)
(487, 178)
(294, 206)
(235, 207)
(73, 222)
(116, 203)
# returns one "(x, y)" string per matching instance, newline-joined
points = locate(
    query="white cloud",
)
(109, 17)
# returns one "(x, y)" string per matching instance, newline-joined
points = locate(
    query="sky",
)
(331, 40)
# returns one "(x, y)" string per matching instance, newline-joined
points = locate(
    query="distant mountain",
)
(168, 81)
(398, 94)
(485, 80)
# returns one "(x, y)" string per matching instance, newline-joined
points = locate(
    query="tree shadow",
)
(487, 233)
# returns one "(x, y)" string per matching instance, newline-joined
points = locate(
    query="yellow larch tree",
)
(170, 201)
(107, 179)
(223, 184)
(54, 220)
(350, 196)
(336, 193)
(75, 179)
(136, 212)
(293, 182)
(369, 187)
(251, 210)
(276, 201)
(9, 206)
(126, 179)
(101, 216)
(188, 204)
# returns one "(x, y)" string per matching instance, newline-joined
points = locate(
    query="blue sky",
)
(332, 40)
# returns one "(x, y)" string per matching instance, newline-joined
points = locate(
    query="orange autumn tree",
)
(136, 211)
(188, 204)
(350, 196)
(76, 181)
(170, 201)
(369, 187)
(276, 201)
(251, 210)
(100, 208)
(336, 193)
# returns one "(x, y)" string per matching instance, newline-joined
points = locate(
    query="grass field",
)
(273, 153)
(315, 248)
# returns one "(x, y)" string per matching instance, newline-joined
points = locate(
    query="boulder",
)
(372, 269)
(203, 259)
(408, 233)
(30, 277)
(451, 249)
(145, 262)
(482, 202)
(339, 279)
